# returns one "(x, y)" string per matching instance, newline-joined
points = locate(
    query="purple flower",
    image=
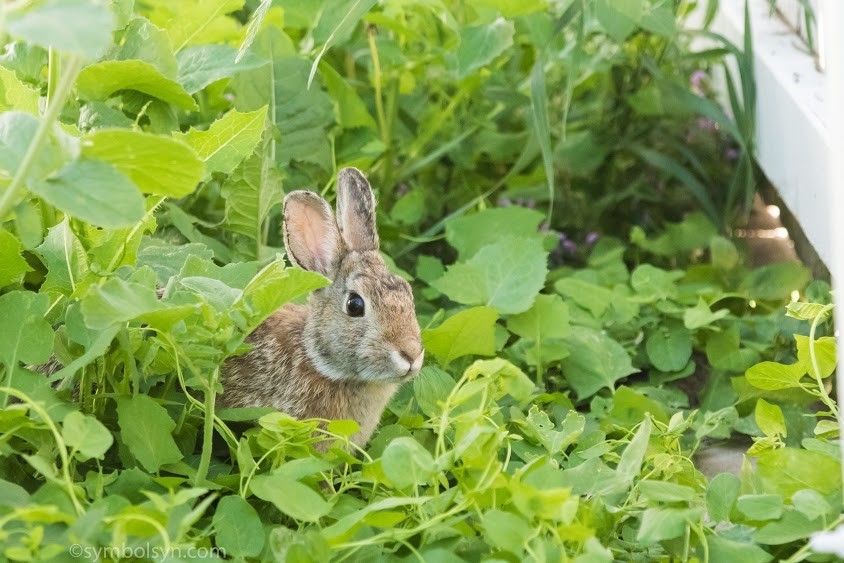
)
(592, 238)
(561, 237)
(731, 154)
(504, 202)
(229, 96)
(570, 247)
(696, 81)
(706, 124)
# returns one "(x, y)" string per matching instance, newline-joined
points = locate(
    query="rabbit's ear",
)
(356, 210)
(310, 232)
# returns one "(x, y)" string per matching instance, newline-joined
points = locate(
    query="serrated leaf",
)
(470, 233)
(12, 265)
(479, 45)
(156, 164)
(16, 95)
(24, 334)
(547, 318)
(469, 332)
(65, 258)
(227, 141)
(146, 430)
(86, 435)
(191, 22)
(201, 65)
(596, 361)
(118, 301)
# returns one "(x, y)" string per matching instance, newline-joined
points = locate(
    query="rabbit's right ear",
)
(310, 232)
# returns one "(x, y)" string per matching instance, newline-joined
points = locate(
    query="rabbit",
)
(343, 354)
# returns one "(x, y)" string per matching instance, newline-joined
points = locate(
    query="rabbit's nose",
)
(412, 353)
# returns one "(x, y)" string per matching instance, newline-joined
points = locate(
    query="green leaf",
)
(352, 111)
(65, 258)
(353, 14)
(542, 429)
(542, 126)
(547, 318)
(118, 301)
(430, 388)
(24, 334)
(769, 419)
(761, 507)
(654, 283)
(71, 26)
(101, 80)
(479, 45)
(724, 549)
(469, 233)
(724, 253)
(591, 297)
(16, 133)
(250, 193)
(513, 8)
(630, 463)
(12, 265)
(469, 332)
(405, 462)
(95, 192)
(788, 470)
(193, 22)
(811, 504)
(227, 141)
(239, 529)
(201, 65)
(663, 491)
(659, 524)
(86, 435)
(772, 376)
(16, 95)
(506, 530)
(825, 357)
(289, 496)
(776, 281)
(721, 496)
(669, 349)
(806, 311)
(301, 114)
(701, 315)
(791, 527)
(146, 430)
(619, 17)
(167, 260)
(507, 275)
(596, 361)
(156, 164)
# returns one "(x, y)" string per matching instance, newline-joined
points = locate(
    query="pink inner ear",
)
(318, 238)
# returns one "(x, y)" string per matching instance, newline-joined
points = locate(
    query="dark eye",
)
(354, 305)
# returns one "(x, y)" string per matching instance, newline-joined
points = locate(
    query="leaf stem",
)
(207, 430)
(816, 373)
(12, 192)
(376, 78)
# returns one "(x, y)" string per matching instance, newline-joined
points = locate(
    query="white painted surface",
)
(792, 136)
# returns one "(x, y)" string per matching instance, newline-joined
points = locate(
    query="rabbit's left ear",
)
(356, 210)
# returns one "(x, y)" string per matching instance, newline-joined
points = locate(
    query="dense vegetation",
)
(553, 179)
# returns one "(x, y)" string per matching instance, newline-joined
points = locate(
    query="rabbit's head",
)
(363, 326)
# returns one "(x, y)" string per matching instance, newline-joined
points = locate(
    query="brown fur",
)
(314, 360)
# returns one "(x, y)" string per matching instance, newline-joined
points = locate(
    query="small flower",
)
(592, 238)
(570, 246)
(229, 96)
(731, 154)
(561, 237)
(696, 81)
(706, 124)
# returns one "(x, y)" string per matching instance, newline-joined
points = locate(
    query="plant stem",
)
(379, 103)
(207, 430)
(12, 192)
(815, 367)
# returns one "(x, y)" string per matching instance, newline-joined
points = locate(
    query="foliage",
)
(144, 149)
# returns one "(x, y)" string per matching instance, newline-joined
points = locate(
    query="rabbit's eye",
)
(355, 305)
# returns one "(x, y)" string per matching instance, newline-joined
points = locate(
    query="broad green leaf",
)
(301, 114)
(469, 233)
(542, 125)
(143, 41)
(591, 297)
(479, 45)
(596, 361)
(664, 491)
(146, 430)
(629, 407)
(405, 462)
(669, 349)
(811, 503)
(16, 95)
(793, 526)
(167, 260)
(118, 301)
(17, 130)
(430, 388)
(701, 315)
(469, 332)
(825, 357)
(760, 507)
(239, 529)
(276, 285)
(654, 283)
(289, 496)
(95, 192)
(86, 435)
(194, 22)
(723, 351)
(250, 192)
(772, 376)
(506, 530)
(351, 110)
(659, 524)
(769, 419)
(227, 141)
(24, 334)
(507, 378)
(156, 164)
(506, 274)
(694, 232)
(71, 26)
(788, 470)
(201, 65)
(65, 258)
(630, 463)
(12, 265)
(513, 8)
(724, 253)
(776, 281)
(805, 311)
(542, 429)
(348, 19)
(100, 81)
(725, 549)
(721, 496)
(547, 318)
(619, 17)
